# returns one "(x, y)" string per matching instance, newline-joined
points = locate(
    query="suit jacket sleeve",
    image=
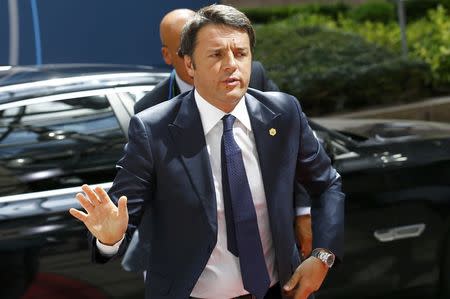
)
(302, 199)
(134, 180)
(323, 183)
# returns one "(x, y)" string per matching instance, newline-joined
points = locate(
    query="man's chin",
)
(235, 94)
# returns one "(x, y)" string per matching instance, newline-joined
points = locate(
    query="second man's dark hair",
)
(215, 14)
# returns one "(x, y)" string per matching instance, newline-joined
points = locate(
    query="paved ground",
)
(434, 109)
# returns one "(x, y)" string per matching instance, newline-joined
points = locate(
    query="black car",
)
(396, 176)
(64, 125)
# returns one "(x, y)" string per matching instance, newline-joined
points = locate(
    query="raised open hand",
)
(106, 221)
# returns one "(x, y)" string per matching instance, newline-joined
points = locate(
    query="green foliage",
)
(386, 35)
(429, 40)
(374, 11)
(302, 20)
(331, 70)
(416, 9)
(263, 15)
(332, 10)
(346, 60)
(384, 11)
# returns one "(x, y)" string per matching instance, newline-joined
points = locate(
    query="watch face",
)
(326, 257)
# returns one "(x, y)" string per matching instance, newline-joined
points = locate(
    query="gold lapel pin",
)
(272, 131)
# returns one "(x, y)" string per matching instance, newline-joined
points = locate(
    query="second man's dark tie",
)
(242, 226)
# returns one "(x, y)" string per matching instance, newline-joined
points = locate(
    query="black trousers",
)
(273, 293)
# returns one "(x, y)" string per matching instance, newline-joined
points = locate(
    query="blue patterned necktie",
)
(242, 227)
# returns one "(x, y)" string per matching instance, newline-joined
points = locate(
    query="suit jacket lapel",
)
(188, 135)
(264, 122)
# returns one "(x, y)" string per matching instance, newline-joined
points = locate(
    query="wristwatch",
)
(324, 255)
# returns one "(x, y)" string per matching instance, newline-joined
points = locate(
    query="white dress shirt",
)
(182, 85)
(221, 277)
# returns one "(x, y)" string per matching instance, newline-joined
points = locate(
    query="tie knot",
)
(228, 121)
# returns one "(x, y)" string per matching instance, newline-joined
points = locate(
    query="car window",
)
(130, 95)
(56, 144)
(136, 95)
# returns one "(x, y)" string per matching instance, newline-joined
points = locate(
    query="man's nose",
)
(230, 61)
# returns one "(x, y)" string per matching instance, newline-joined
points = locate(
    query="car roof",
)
(25, 81)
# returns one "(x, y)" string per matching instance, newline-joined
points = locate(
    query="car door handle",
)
(399, 232)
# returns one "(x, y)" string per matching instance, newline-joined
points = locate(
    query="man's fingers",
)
(101, 194)
(78, 214)
(307, 248)
(85, 203)
(91, 194)
(289, 294)
(122, 205)
(292, 283)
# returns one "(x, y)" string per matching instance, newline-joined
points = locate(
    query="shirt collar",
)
(182, 85)
(210, 115)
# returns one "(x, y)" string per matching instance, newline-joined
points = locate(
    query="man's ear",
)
(189, 64)
(166, 55)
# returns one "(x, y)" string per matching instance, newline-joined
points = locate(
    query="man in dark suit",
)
(178, 82)
(214, 171)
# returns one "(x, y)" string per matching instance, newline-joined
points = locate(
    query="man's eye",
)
(241, 54)
(215, 55)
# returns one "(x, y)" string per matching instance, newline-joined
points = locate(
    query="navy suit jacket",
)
(136, 256)
(166, 175)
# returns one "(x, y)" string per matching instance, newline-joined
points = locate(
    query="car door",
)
(392, 230)
(49, 146)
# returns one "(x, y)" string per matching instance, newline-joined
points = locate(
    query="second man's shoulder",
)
(155, 96)
(163, 112)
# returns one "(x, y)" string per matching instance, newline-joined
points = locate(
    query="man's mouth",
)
(232, 81)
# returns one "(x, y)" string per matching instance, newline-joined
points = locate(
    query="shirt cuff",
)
(108, 250)
(300, 211)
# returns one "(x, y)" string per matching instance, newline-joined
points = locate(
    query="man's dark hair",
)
(215, 14)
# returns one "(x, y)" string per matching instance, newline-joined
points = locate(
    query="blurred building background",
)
(83, 31)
